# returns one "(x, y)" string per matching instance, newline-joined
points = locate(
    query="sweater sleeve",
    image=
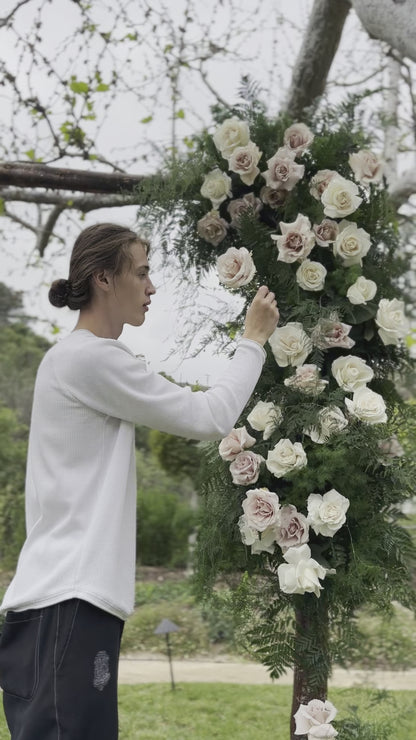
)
(106, 377)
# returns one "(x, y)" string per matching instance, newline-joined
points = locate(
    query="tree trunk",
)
(392, 21)
(312, 661)
(321, 40)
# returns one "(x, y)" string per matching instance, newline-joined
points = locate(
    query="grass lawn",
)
(235, 712)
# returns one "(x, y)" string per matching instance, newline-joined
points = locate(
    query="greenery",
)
(224, 711)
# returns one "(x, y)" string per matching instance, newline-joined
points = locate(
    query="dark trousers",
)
(58, 672)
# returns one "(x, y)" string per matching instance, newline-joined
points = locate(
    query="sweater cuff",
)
(253, 343)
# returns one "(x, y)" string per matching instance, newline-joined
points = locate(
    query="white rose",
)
(391, 321)
(340, 197)
(248, 534)
(320, 181)
(297, 239)
(232, 133)
(216, 187)
(307, 379)
(352, 243)
(234, 443)
(244, 161)
(261, 508)
(212, 228)
(311, 275)
(298, 137)
(361, 291)
(301, 573)
(283, 172)
(315, 714)
(290, 344)
(285, 457)
(235, 267)
(326, 232)
(331, 420)
(266, 542)
(264, 417)
(351, 372)
(322, 732)
(367, 406)
(366, 166)
(326, 514)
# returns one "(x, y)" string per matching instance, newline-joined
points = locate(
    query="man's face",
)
(133, 287)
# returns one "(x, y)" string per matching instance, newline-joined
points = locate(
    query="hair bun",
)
(59, 293)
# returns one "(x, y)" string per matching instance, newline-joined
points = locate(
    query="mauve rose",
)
(212, 228)
(235, 267)
(366, 166)
(298, 137)
(238, 206)
(234, 443)
(272, 197)
(283, 172)
(297, 239)
(331, 333)
(326, 232)
(320, 181)
(261, 508)
(245, 468)
(244, 161)
(292, 529)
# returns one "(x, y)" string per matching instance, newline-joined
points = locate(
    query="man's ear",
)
(101, 280)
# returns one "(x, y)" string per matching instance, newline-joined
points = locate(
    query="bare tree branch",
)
(84, 203)
(57, 178)
(4, 21)
(46, 231)
(316, 54)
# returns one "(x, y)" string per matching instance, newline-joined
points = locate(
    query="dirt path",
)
(136, 669)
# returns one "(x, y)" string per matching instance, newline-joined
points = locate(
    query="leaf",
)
(180, 113)
(102, 87)
(78, 87)
(30, 154)
(2, 209)
(147, 119)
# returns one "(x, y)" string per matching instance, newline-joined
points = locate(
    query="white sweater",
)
(81, 473)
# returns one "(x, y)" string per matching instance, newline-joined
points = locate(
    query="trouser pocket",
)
(19, 653)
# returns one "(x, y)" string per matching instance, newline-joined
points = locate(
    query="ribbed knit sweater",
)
(81, 472)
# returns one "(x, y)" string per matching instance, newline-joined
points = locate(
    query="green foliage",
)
(13, 447)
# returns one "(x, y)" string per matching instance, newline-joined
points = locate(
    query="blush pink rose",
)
(328, 333)
(293, 528)
(261, 509)
(297, 239)
(298, 137)
(235, 267)
(245, 468)
(234, 443)
(283, 172)
(320, 181)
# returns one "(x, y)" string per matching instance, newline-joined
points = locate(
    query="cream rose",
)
(292, 528)
(283, 172)
(261, 508)
(238, 206)
(326, 232)
(361, 291)
(245, 468)
(248, 534)
(216, 187)
(297, 239)
(327, 513)
(300, 574)
(331, 421)
(232, 133)
(352, 243)
(330, 333)
(235, 267)
(285, 457)
(307, 379)
(367, 406)
(311, 275)
(244, 160)
(234, 443)
(313, 716)
(290, 344)
(366, 166)
(351, 372)
(391, 321)
(264, 417)
(340, 197)
(212, 228)
(298, 137)
(320, 181)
